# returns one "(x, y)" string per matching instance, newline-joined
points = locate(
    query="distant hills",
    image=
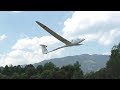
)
(88, 62)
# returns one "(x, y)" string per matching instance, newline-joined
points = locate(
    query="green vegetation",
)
(48, 71)
(51, 71)
(112, 69)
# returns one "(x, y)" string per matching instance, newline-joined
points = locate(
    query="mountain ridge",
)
(88, 62)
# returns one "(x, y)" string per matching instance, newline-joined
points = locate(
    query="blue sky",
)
(20, 36)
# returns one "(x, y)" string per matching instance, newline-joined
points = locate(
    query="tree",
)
(30, 70)
(3, 76)
(47, 74)
(6, 71)
(39, 69)
(113, 65)
(15, 76)
(69, 70)
(78, 73)
(90, 75)
(59, 74)
(49, 66)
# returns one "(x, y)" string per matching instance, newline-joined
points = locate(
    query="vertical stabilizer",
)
(44, 49)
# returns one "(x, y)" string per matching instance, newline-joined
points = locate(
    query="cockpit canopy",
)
(78, 40)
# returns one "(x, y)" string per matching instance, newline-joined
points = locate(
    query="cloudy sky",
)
(20, 36)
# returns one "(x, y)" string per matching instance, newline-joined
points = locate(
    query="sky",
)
(20, 36)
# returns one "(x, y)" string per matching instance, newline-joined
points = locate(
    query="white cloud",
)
(20, 57)
(31, 43)
(14, 58)
(82, 20)
(107, 53)
(93, 25)
(108, 37)
(2, 37)
(90, 37)
(28, 51)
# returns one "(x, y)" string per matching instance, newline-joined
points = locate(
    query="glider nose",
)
(82, 39)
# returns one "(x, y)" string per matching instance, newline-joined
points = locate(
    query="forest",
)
(51, 71)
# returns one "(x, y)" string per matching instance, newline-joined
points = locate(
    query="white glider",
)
(65, 41)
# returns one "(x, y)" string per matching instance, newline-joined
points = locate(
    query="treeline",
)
(51, 71)
(112, 69)
(47, 71)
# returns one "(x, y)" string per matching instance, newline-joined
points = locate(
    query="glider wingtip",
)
(36, 21)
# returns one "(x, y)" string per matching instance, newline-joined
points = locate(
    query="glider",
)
(65, 41)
